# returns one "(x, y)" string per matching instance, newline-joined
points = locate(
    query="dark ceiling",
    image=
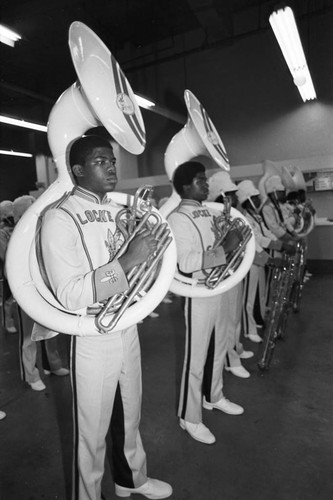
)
(39, 68)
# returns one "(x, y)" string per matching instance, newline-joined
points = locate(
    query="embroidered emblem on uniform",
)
(110, 276)
(217, 226)
(113, 242)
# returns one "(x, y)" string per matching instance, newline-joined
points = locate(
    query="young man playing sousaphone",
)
(78, 250)
(195, 232)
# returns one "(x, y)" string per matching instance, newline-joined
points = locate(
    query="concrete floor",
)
(281, 448)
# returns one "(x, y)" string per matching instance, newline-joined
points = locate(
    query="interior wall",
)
(17, 176)
(256, 118)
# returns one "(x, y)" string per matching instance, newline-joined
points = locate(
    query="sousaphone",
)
(101, 96)
(269, 169)
(307, 212)
(199, 137)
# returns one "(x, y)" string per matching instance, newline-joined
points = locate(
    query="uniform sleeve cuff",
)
(214, 258)
(109, 280)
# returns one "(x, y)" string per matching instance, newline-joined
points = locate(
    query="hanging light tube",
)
(22, 123)
(7, 36)
(143, 102)
(15, 153)
(285, 30)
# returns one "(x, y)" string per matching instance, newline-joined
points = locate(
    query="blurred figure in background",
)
(6, 229)
(27, 347)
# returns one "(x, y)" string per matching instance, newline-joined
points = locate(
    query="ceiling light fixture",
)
(285, 29)
(15, 153)
(142, 102)
(22, 123)
(7, 36)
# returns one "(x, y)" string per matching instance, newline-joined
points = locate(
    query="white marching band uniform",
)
(219, 184)
(276, 218)
(106, 369)
(194, 231)
(255, 281)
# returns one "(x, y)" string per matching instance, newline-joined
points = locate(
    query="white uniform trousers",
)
(28, 350)
(107, 393)
(206, 326)
(234, 298)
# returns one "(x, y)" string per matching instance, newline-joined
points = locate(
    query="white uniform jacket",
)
(80, 233)
(272, 220)
(195, 237)
(263, 238)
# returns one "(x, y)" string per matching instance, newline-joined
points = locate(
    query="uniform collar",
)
(194, 203)
(90, 196)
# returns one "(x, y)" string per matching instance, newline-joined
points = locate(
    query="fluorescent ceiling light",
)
(8, 36)
(15, 153)
(285, 29)
(22, 123)
(143, 102)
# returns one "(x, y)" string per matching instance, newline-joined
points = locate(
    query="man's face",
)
(256, 201)
(99, 173)
(198, 189)
(281, 196)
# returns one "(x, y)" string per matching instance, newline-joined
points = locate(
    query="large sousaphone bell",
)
(293, 180)
(101, 96)
(269, 169)
(199, 137)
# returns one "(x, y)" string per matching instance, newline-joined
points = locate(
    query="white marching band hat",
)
(245, 190)
(218, 183)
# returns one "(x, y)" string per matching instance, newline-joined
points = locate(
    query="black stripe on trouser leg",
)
(227, 359)
(21, 333)
(45, 359)
(209, 368)
(188, 360)
(246, 295)
(122, 473)
(75, 425)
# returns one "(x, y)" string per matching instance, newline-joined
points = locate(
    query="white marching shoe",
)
(153, 488)
(238, 371)
(61, 372)
(246, 355)
(37, 386)
(224, 405)
(199, 432)
(254, 337)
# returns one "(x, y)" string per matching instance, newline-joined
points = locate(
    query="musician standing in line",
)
(223, 190)
(195, 233)
(27, 347)
(254, 286)
(272, 211)
(79, 241)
